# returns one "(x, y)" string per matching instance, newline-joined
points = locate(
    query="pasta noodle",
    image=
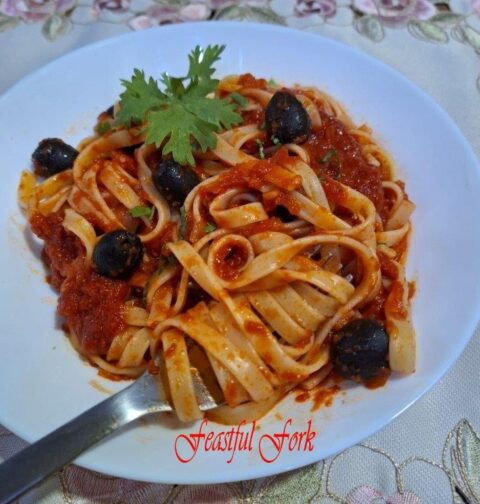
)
(272, 253)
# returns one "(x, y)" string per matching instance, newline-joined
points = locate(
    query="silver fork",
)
(34, 464)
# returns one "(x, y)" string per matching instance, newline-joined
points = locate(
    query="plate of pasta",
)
(288, 226)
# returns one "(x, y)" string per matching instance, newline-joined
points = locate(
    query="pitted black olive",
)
(117, 254)
(52, 156)
(360, 349)
(173, 180)
(286, 119)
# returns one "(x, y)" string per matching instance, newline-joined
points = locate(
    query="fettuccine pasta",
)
(252, 277)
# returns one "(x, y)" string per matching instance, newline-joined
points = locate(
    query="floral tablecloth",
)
(431, 453)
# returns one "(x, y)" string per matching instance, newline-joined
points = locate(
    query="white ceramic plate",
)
(44, 383)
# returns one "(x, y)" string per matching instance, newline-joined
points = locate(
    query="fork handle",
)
(34, 464)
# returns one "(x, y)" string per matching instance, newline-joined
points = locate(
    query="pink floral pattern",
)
(427, 20)
(166, 14)
(476, 7)
(32, 11)
(115, 6)
(396, 12)
(325, 8)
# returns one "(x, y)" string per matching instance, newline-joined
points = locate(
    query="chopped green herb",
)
(272, 82)
(275, 140)
(237, 97)
(142, 211)
(181, 113)
(261, 151)
(103, 127)
(329, 155)
(209, 227)
(182, 227)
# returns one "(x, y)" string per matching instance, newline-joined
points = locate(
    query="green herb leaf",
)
(173, 85)
(261, 151)
(201, 68)
(182, 227)
(237, 97)
(272, 82)
(329, 155)
(182, 115)
(209, 227)
(142, 211)
(102, 127)
(139, 98)
(275, 140)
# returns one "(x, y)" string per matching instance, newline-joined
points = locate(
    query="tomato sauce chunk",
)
(337, 154)
(93, 307)
(61, 247)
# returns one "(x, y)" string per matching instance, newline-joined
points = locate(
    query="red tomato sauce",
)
(375, 308)
(249, 81)
(255, 174)
(255, 328)
(378, 381)
(93, 307)
(387, 266)
(322, 395)
(91, 304)
(128, 163)
(336, 154)
(257, 117)
(61, 247)
(275, 198)
(229, 261)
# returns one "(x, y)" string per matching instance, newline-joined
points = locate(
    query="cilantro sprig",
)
(182, 115)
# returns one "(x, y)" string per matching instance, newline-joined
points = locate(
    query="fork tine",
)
(204, 398)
